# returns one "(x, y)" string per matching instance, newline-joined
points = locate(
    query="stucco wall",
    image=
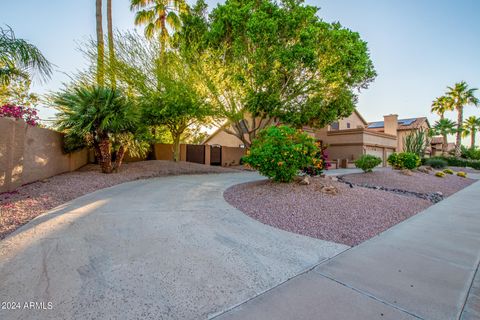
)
(231, 156)
(28, 154)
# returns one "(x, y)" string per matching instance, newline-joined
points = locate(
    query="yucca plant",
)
(96, 114)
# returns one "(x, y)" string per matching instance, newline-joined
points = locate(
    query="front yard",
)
(29, 201)
(351, 213)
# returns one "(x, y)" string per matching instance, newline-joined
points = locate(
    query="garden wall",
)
(28, 154)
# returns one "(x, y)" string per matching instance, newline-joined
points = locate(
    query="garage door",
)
(377, 152)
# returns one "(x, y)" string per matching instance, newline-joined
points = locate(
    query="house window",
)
(348, 125)
(334, 126)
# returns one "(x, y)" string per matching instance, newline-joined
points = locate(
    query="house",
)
(436, 145)
(349, 138)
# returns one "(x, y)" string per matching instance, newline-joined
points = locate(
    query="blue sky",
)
(418, 46)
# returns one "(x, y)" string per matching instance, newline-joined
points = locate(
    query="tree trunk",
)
(473, 132)
(458, 142)
(176, 146)
(105, 158)
(119, 159)
(444, 144)
(111, 48)
(100, 45)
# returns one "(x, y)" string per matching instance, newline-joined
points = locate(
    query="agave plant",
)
(96, 114)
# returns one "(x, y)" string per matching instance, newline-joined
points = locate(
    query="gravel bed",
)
(417, 182)
(465, 169)
(29, 201)
(349, 217)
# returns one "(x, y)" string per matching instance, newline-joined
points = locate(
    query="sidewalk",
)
(422, 268)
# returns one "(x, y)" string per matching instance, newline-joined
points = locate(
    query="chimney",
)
(390, 124)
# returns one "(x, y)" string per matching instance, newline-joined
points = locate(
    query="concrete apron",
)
(164, 248)
(422, 268)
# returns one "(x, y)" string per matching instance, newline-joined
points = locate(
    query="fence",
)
(29, 154)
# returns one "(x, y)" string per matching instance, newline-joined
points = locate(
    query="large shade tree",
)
(471, 126)
(461, 95)
(20, 59)
(262, 61)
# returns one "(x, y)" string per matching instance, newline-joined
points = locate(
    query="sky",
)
(418, 47)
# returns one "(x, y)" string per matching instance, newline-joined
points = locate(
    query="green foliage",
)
(17, 92)
(461, 174)
(416, 142)
(19, 59)
(367, 162)
(437, 163)
(448, 171)
(471, 126)
(439, 174)
(471, 153)
(459, 162)
(281, 152)
(268, 59)
(404, 160)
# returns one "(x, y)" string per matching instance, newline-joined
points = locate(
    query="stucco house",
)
(349, 138)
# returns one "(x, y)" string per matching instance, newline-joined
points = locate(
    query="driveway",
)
(164, 248)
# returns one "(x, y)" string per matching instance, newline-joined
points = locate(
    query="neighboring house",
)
(436, 144)
(349, 138)
(399, 127)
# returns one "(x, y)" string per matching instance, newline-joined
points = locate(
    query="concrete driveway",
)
(165, 248)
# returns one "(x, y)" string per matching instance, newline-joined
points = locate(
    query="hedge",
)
(457, 162)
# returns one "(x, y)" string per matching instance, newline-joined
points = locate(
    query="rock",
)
(329, 190)
(305, 181)
(424, 169)
(406, 172)
(333, 178)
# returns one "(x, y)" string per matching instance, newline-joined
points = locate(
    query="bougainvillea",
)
(20, 112)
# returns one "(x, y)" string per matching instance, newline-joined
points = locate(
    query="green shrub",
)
(461, 174)
(470, 153)
(458, 162)
(448, 171)
(437, 163)
(367, 162)
(280, 152)
(404, 160)
(439, 174)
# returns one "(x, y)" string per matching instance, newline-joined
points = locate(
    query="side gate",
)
(216, 155)
(196, 153)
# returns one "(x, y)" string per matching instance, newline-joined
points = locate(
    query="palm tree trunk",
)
(120, 155)
(458, 142)
(111, 48)
(473, 132)
(105, 158)
(100, 45)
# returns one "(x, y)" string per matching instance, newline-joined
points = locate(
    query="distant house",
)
(436, 144)
(349, 138)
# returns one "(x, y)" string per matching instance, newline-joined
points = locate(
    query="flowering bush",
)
(319, 162)
(18, 112)
(280, 152)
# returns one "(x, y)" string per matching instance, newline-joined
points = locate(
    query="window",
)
(334, 126)
(348, 125)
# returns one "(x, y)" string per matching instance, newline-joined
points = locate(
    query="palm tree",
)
(471, 125)
(444, 127)
(100, 44)
(158, 16)
(461, 96)
(111, 48)
(96, 114)
(18, 58)
(441, 105)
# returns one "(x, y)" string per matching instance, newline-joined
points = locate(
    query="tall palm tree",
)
(461, 96)
(471, 126)
(111, 47)
(444, 127)
(158, 16)
(96, 114)
(441, 105)
(100, 44)
(19, 58)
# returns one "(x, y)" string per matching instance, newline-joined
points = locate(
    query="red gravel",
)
(350, 217)
(418, 182)
(29, 201)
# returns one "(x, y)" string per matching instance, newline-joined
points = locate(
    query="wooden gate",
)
(216, 155)
(196, 153)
